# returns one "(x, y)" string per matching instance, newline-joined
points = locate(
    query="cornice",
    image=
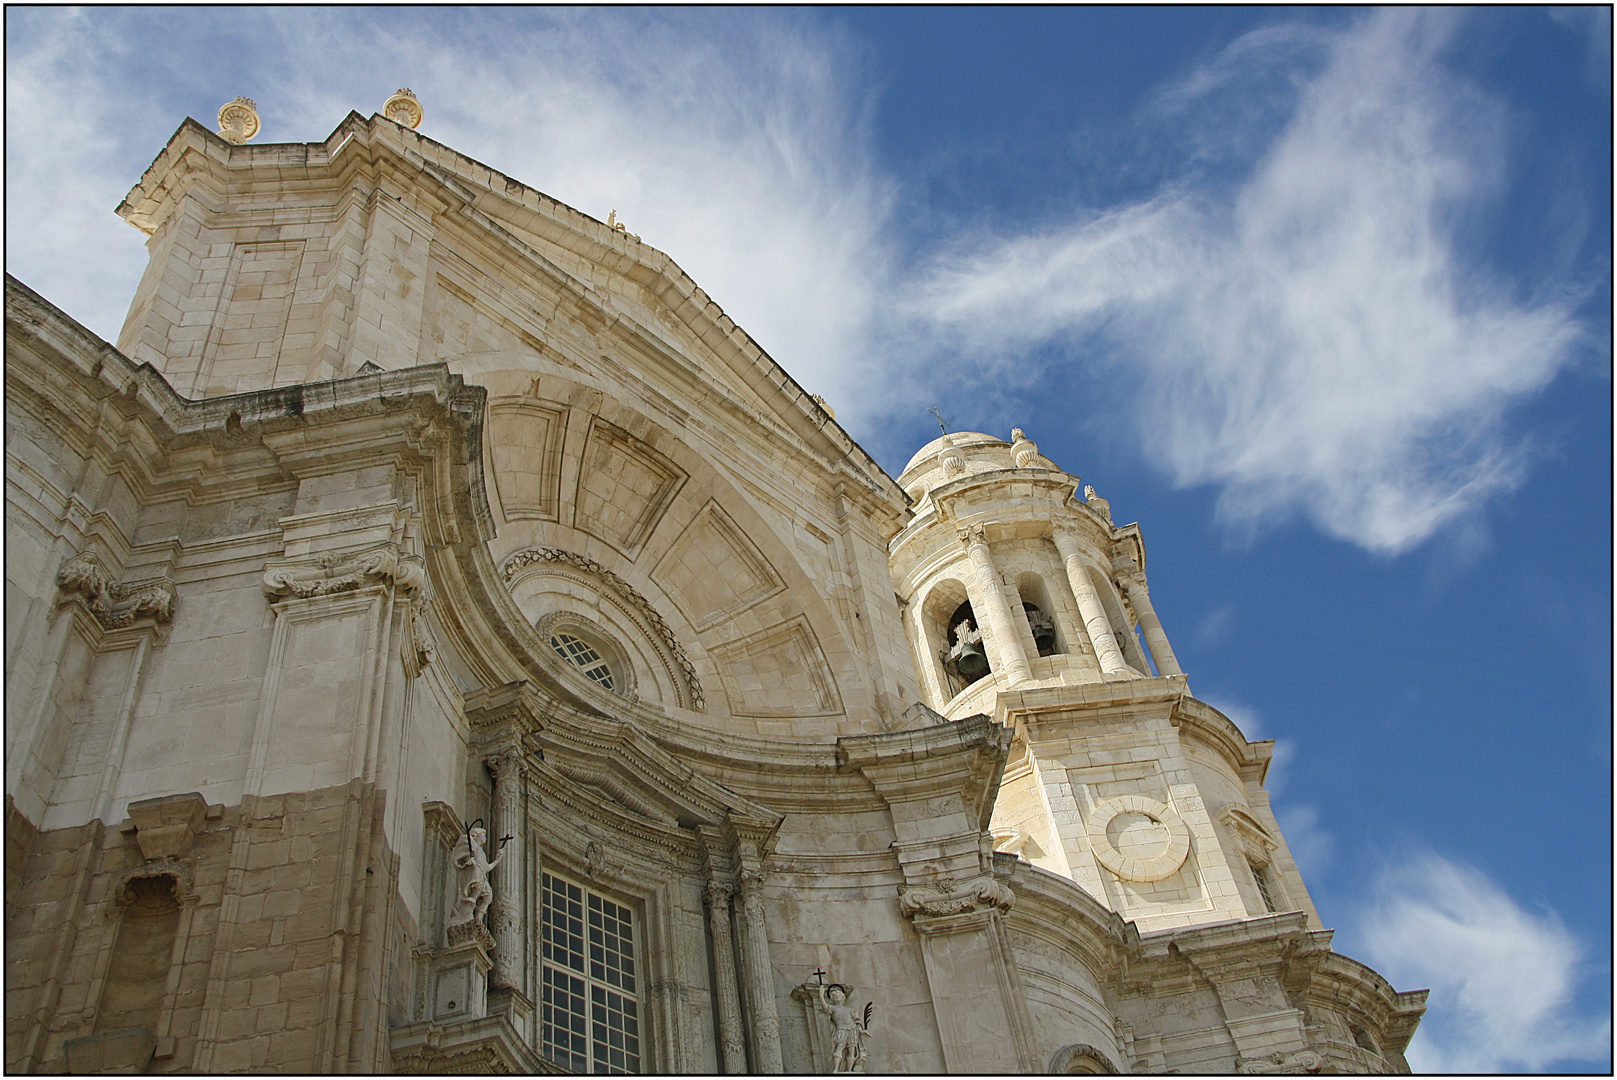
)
(423, 415)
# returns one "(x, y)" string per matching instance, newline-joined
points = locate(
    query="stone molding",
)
(1256, 842)
(335, 572)
(123, 896)
(417, 649)
(947, 897)
(114, 604)
(538, 555)
(480, 1045)
(1063, 1060)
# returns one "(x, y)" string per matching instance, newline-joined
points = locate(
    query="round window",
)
(578, 653)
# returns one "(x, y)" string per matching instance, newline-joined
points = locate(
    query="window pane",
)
(590, 1020)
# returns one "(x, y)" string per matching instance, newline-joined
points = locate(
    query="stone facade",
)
(412, 501)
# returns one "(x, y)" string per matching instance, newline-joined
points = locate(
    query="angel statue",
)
(851, 1032)
(472, 892)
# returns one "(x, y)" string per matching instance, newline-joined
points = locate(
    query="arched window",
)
(578, 652)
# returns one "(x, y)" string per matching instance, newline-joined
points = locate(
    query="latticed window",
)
(582, 656)
(591, 1007)
(1260, 875)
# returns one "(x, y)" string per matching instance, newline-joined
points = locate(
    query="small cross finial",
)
(941, 423)
(820, 975)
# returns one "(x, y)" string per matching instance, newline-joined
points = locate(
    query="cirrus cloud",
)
(1314, 337)
(1502, 978)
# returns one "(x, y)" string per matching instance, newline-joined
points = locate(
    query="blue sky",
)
(1320, 297)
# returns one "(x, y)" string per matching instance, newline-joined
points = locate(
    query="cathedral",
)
(440, 640)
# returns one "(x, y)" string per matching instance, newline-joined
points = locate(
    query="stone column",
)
(988, 602)
(1089, 605)
(760, 975)
(724, 973)
(1156, 639)
(505, 920)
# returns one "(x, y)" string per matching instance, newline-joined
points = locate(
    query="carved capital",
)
(344, 571)
(947, 897)
(114, 604)
(506, 763)
(752, 882)
(719, 893)
(973, 536)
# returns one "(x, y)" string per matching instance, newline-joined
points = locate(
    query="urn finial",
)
(404, 109)
(238, 120)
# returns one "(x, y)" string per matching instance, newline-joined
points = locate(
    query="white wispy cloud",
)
(735, 141)
(1503, 979)
(1316, 338)
(1308, 336)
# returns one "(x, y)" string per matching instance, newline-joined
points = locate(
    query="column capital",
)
(1065, 540)
(752, 882)
(973, 535)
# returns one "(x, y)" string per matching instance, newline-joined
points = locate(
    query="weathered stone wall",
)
(275, 959)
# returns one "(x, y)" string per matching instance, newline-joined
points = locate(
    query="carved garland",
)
(114, 604)
(954, 898)
(529, 556)
(344, 571)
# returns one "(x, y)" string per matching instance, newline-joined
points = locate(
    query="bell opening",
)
(966, 658)
(1043, 627)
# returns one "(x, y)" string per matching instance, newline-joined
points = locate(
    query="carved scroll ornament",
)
(1301, 1062)
(114, 604)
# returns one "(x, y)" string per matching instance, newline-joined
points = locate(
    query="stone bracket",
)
(165, 827)
(115, 605)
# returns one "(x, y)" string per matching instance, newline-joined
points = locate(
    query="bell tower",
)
(1027, 603)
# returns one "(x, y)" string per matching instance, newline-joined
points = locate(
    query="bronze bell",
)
(1044, 629)
(972, 663)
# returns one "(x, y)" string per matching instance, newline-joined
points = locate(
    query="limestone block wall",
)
(274, 959)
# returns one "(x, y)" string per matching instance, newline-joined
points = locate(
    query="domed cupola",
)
(1011, 581)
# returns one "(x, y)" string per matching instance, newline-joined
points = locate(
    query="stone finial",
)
(1096, 503)
(403, 108)
(238, 120)
(820, 401)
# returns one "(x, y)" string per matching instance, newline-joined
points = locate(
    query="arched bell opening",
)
(966, 658)
(1043, 628)
(1040, 614)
